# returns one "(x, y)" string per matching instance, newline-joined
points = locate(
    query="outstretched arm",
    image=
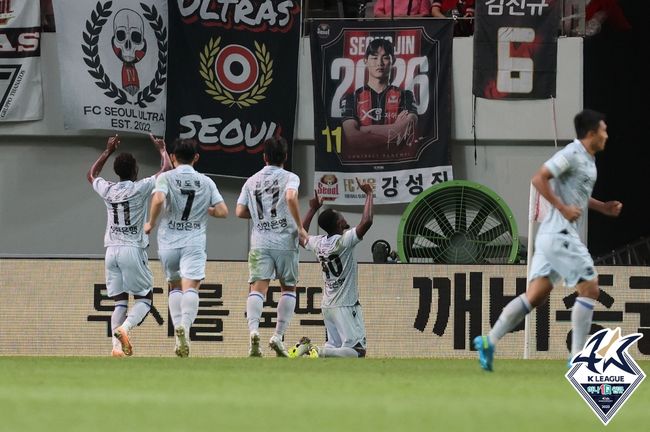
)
(165, 163)
(314, 204)
(366, 218)
(542, 182)
(96, 168)
(608, 208)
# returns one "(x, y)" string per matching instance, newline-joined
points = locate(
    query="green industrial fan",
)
(458, 222)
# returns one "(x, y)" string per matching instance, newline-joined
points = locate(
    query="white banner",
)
(113, 60)
(342, 187)
(21, 91)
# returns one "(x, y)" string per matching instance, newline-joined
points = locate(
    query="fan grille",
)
(458, 222)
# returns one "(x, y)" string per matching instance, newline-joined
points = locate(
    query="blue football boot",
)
(485, 352)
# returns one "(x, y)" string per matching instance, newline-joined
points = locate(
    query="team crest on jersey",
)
(234, 75)
(130, 45)
(6, 13)
(604, 374)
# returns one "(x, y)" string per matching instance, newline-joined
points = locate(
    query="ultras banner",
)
(21, 93)
(515, 49)
(113, 57)
(382, 107)
(233, 81)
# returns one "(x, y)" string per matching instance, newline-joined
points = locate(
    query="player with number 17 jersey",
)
(188, 196)
(263, 194)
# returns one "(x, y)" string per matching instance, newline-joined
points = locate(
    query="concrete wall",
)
(48, 209)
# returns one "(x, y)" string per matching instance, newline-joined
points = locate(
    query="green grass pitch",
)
(270, 394)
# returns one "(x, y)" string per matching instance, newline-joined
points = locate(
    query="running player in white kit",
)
(342, 313)
(270, 199)
(126, 263)
(188, 198)
(559, 252)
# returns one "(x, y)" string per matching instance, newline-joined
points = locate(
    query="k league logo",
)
(604, 374)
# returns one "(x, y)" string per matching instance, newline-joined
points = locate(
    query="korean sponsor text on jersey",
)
(126, 210)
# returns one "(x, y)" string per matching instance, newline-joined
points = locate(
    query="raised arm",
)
(366, 217)
(157, 201)
(96, 168)
(542, 182)
(165, 162)
(314, 204)
(608, 208)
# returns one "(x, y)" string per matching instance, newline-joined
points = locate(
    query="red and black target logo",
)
(234, 75)
(236, 68)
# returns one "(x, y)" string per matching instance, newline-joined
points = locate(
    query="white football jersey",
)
(336, 256)
(126, 209)
(264, 195)
(188, 194)
(574, 175)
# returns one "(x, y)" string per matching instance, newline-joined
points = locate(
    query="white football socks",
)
(581, 315)
(190, 307)
(117, 319)
(254, 305)
(137, 313)
(175, 308)
(512, 314)
(286, 307)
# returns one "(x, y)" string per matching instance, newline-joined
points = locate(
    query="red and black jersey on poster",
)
(382, 101)
(233, 79)
(515, 49)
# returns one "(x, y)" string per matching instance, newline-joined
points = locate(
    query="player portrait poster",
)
(382, 108)
(21, 92)
(515, 49)
(113, 57)
(233, 82)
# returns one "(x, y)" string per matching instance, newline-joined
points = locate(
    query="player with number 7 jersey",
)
(188, 198)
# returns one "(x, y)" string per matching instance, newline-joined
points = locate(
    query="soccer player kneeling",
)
(346, 333)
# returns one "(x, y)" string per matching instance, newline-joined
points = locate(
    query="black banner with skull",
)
(382, 108)
(113, 57)
(233, 81)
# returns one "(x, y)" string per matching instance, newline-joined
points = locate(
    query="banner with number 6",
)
(515, 49)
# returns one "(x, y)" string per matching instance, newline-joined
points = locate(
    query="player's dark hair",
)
(125, 166)
(328, 220)
(184, 150)
(375, 44)
(275, 150)
(587, 120)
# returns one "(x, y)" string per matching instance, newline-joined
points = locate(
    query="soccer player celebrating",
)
(270, 199)
(126, 262)
(559, 252)
(346, 333)
(188, 198)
